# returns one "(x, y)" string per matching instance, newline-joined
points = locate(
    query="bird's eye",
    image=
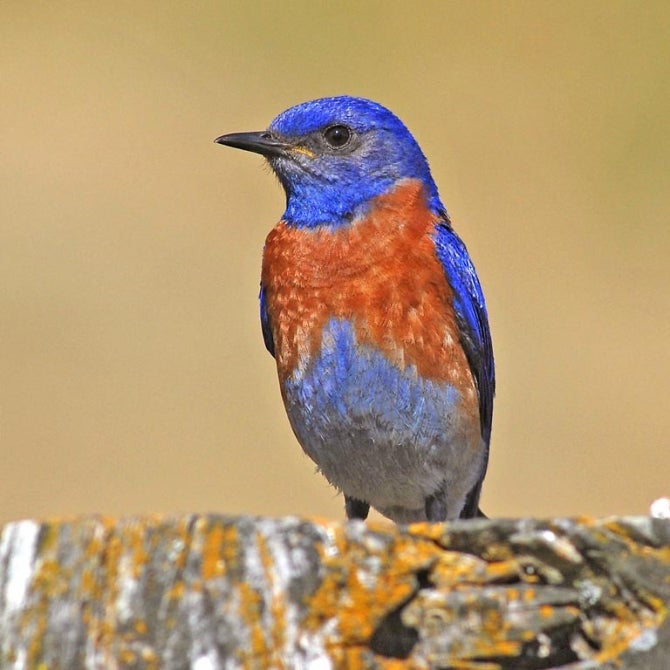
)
(337, 136)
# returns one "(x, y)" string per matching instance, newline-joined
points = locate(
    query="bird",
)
(374, 313)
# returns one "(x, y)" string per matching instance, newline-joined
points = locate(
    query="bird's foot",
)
(436, 506)
(356, 509)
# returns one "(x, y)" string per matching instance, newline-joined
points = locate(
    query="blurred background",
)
(133, 376)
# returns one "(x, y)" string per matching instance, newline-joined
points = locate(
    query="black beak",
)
(262, 142)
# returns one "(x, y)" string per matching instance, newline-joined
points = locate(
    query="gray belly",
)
(379, 433)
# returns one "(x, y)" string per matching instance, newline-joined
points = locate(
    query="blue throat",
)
(333, 205)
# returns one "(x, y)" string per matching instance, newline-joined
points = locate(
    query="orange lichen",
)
(529, 595)
(213, 561)
(278, 600)
(135, 539)
(502, 570)
(489, 609)
(250, 611)
(492, 621)
(127, 657)
(513, 594)
(357, 598)
(176, 591)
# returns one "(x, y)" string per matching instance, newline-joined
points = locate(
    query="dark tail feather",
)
(471, 508)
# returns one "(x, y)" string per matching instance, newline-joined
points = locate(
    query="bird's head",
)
(333, 155)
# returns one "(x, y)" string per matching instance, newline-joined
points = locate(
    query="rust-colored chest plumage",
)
(381, 274)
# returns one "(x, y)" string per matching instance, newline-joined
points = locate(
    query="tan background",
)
(133, 375)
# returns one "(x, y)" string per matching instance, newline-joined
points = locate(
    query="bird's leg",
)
(356, 509)
(436, 506)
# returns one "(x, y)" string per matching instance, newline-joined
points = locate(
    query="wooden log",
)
(208, 592)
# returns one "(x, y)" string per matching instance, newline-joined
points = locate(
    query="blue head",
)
(333, 155)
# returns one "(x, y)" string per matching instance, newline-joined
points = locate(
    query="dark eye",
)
(337, 136)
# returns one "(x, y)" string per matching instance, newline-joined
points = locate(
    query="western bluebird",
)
(374, 313)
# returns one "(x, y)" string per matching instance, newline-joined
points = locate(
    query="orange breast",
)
(381, 274)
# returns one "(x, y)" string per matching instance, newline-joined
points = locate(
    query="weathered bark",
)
(210, 592)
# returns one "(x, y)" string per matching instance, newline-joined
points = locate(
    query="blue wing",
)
(473, 324)
(265, 323)
(471, 316)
